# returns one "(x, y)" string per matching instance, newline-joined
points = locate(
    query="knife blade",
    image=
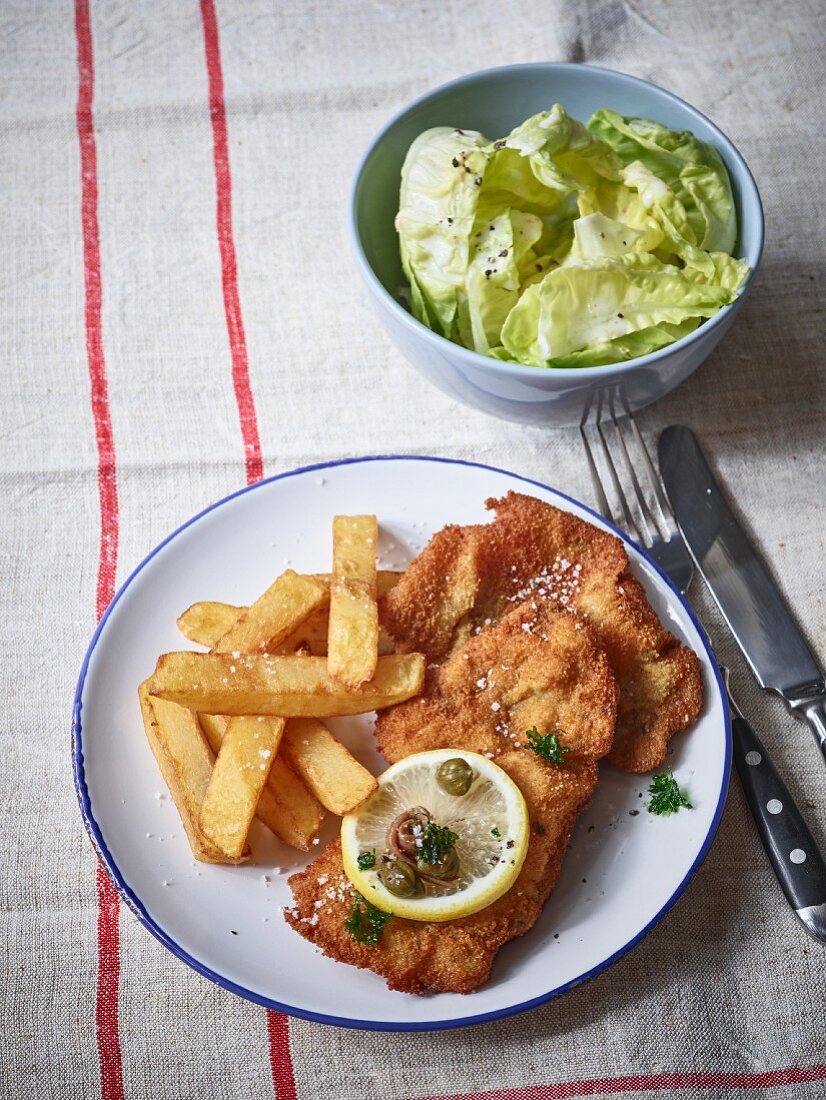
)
(746, 594)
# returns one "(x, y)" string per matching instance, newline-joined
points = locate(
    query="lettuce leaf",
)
(692, 168)
(563, 245)
(441, 182)
(587, 305)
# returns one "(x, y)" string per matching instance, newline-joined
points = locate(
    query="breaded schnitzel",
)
(454, 956)
(537, 667)
(467, 578)
(531, 620)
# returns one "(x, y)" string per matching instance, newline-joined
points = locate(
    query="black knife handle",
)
(790, 846)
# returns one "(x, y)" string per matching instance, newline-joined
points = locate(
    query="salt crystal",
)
(495, 706)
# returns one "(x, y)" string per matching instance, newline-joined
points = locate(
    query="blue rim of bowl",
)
(133, 901)
(516, 370)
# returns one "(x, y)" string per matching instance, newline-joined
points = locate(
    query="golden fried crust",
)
(535, 551)
(536, 667)
(452, 956)
(447, 592)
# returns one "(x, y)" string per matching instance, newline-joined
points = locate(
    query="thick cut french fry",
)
(289, 809)
(334, 776)
(208, 620)
(385, 579)
(219, 683)
(285, 805)
(275, 615)
(310, 637)
(240, 773)
(186, 762)
(214, 727)
(353, 633)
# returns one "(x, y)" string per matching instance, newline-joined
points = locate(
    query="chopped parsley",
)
(546, 745)
(666, 796)
(365, 923)
(495, 832)
(366, 860)
(435, 842)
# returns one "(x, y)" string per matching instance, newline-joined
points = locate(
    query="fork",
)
(639, 505)
(662, 541)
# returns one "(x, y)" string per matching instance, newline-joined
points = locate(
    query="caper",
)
(446, 868)
(401, 879)
(455, 776)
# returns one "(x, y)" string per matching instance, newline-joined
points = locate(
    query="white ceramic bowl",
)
(494, 101)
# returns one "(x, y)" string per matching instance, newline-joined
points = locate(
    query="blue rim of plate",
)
(518, 370)
(133, 901)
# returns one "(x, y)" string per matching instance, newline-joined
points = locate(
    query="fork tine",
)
(630, 523)
(599, 492)
(669, 524)
(645, 513)
(664, 542)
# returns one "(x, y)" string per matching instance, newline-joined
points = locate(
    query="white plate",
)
(635, 867)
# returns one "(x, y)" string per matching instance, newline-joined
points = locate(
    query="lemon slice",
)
(490, 821)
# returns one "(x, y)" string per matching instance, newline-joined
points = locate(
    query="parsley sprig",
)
(366, 860)
(365, 923)
(546, 745)
(435, 842)
(666, 795)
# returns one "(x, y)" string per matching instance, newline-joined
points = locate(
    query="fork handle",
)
(789, 844)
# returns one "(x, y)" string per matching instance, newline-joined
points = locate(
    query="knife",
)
(790, 846)
(752, 606)
(761, 623)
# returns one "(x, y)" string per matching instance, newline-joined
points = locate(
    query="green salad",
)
(564, 245)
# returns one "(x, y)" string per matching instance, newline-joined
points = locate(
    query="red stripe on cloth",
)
(107, 485)
(106, 1009)
(229, 265)
(106, 1006)
(278, 1030)
(652, 1082)
(281, 1062)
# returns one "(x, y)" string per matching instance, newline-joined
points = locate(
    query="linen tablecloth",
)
(180, 315)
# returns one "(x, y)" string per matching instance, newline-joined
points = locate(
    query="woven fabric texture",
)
(135, 326)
